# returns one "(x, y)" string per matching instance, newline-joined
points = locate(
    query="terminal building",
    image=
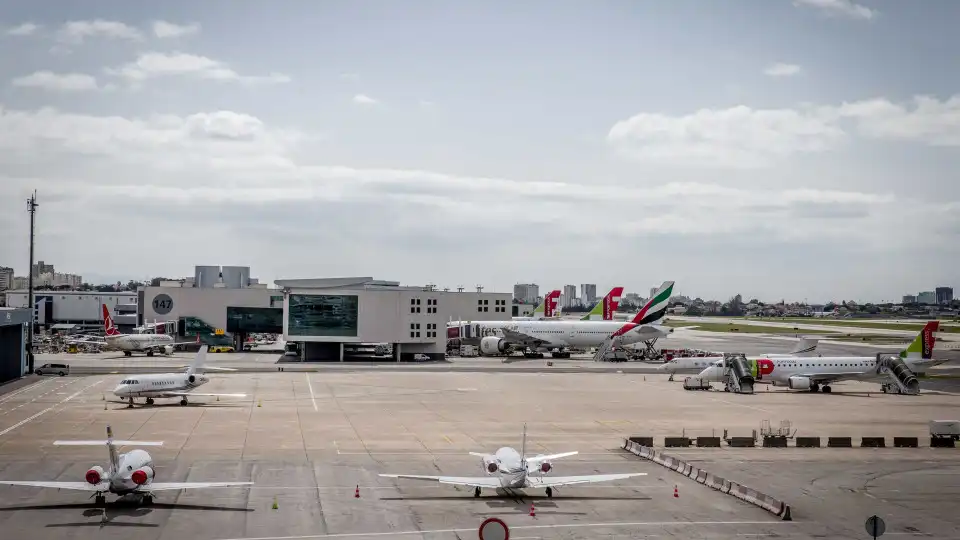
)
(14, 333)
(81, 308)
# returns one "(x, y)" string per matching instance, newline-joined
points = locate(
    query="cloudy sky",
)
(798, 149)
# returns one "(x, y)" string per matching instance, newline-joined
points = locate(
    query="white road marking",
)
(48, 409)
(524, 527)
(313, 398)
(8, 397)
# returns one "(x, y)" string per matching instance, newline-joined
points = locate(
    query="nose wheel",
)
(149, 401)
(549, 492)
(100, 500)
(183, 402)
(476, 492)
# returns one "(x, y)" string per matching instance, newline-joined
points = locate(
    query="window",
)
(418, 301)
(485, 309)
(323, 315)
(418, 334)
(413, 301)
(412, 335)
(479, 309)
(413, 326)
(413, 309)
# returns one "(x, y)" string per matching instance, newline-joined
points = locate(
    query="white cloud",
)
(156, 64)
(66, 82)
(746, 138)
(363, 99)
(782, 70)
(164, 29)
(76, 32)
(845, 8)
(25, 29)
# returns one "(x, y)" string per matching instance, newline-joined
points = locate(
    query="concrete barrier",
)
(775, 442)
(839, 442)
(941, 442)
(749, 495)
(708, 442)
(742, 442)
(873, 442)
(676, 442)
(906, 442)
(808, 442)
(643, 441)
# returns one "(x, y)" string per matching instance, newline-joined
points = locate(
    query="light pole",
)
(32, 208)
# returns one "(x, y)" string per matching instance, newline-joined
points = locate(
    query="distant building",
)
(927, 298)
(909, 299)
(20, 283)
(526, 293)
(588, 293)
(944, 295)
(40, 268)
(48, 279)
(569, 297)
(6, 278)
(221, 277)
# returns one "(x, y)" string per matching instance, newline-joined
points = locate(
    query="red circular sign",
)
(494, 529)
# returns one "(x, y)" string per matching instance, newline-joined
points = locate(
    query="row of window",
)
(415, 330)
(496, 309)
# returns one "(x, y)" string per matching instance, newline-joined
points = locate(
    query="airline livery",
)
(546, 309)
(169, 385)
(130, 343)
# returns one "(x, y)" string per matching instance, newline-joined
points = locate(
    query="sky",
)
(779, 149)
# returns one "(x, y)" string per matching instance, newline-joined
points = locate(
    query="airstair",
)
(737, 372)
(611, 350)
(903, 381)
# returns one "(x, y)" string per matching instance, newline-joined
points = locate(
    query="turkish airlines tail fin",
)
(922, 346)
(606, 307)
(108, 325)
(656, 306)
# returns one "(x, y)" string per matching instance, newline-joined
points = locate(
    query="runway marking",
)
(523, 527)
(7, 397)
(48, 409)
(25, 403)
(447, 439)
(313, 398)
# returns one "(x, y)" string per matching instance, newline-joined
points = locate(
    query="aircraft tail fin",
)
(656, 306)
(922, 345)
(111, 444)
(805, 347)
(550, 304)
(606, 307)
(198, 361)
(108, 327)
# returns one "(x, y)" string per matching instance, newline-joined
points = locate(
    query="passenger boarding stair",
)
(611, 350)
(902, 379)
(737, 371)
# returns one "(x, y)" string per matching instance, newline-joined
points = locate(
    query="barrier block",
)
(701, 476)
(808, 442)
(642, 441)
(941, 442)
(742, 442)
(676, 442)
(708, 442)
(839, 442)
(906, 442)
(873, 442)
(775, 442)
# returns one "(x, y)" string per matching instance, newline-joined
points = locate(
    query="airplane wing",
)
(78, 486)
(514, 336)
(480, 481)
(170, 486)
(202, 394)
(540, 459)
(557, 481)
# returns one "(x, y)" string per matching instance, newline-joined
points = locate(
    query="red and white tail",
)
(611, 302)
(108, 325)
(550, 304)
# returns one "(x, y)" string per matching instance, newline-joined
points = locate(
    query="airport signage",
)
(162, 304)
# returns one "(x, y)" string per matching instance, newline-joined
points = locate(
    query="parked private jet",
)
(126, 474)
(169, 385)
(508, 469)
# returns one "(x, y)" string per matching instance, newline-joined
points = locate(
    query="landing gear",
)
(476, 492)
(560, 354)
(150, 352)
(814, 387)
(670, 378)
(100, 500)
(149, 401)
(183, 402)
(826, 389)
(127, 353)
(147, 500)
(549, 492)
(130, 403)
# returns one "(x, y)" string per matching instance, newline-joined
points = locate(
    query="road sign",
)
(494, 529)
(875, 526)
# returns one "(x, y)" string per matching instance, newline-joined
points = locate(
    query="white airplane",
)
(169, 385)
(804, 347)
(127, 474)
(549, 335)
(146, 343)
(814, 374)
(508, 469)
(546, 310)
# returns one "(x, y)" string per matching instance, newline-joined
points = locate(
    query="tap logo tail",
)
(610, 303)
(108, 325)
(550, 304)
(923, 344)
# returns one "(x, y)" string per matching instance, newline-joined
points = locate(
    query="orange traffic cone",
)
(356, 494)
(676, 494)
(533, 510)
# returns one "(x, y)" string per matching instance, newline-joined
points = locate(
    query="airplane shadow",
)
(176, 404)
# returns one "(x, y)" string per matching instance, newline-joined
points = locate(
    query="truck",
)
(696, 383)
(945, 429)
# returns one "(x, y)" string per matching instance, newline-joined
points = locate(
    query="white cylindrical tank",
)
(205, 277)
(236, 277)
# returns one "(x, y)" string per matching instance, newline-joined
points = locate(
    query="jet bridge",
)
(903, 381)
(736, 369)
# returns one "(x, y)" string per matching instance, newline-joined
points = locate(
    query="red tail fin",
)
(610, 303)
(550, 304)
(108, 326)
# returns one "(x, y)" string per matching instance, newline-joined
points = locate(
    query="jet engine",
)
(491, 465)
(168, 349)
(545, 467)
(192, 378)
(142, 475)
(493, 345)
(799, 383)
(94, 476)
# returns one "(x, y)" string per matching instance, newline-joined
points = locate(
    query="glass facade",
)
(323, 315)
(248, 319)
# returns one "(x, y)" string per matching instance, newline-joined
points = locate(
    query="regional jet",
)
(126, 474)
(804, 347)
(169, 385)
(508, 469)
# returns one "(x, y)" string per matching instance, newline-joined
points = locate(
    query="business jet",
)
(804, 347)
(169, 385)
(146, 343)
(546, 310)
(896, 373)
(126, 474)
(560, 335)
(508, 469)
